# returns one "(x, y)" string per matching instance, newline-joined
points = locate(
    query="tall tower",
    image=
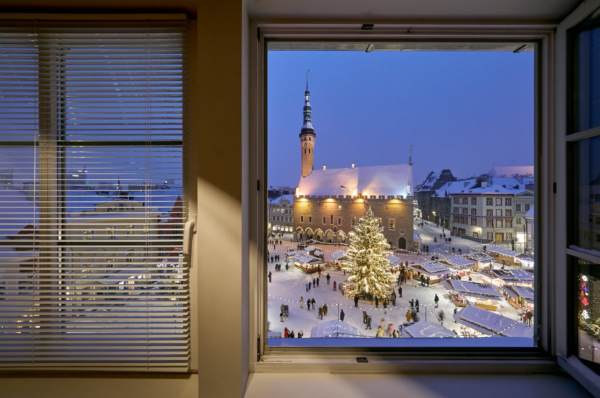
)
(307, 136)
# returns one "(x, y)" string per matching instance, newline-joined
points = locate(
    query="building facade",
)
(281, 214)
(330, 202)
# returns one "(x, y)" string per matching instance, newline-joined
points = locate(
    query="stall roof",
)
(305, 258)
(511, 274)
(519, 291)
(311, 248)
(393, 260)
(427, 330)
(336, 255)
(334, 329)
(492, 323)
(458, 261)
(416, 236)
(479, 256)
(526, 260)
(431, 269)
(504, 251)
(473, 289)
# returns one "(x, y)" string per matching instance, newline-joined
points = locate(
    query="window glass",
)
(587, 97)
(411, 260)
(587, 312)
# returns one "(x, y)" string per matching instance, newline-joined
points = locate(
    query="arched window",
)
(304, 150)
(308, 150)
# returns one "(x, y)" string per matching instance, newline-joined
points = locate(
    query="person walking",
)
(368, 323)
(309, 285)
(356, 301)
(436, 299)
(328, 278)
(412, 303)
(394, 299)
(318, 281)
(334, 286)
(286, 333)
(325, 309)
(314, 283)
(308, 304)
(395, 334)
(306, 287)
(385, 304)
(455, 311)
(400, 291)
(342, 315)
(313, 303)
(417, 305)
(300, 334)
(321, 313)
(382, 323)
(399, 279)
(301, 302)
(379, 332)
(270, 274)
(390, 329)
(281, 316)
(428, 279)
(376, 302)
(441, 317)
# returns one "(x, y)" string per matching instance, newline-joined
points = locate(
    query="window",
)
(518, 207)
(489, 212)
(475, 235)
(519, 220)
(507, 202)
(508, 223)
(498, 201)
(473, 221)
(301, 218)
(456, 200)
(499, 223)
(331, 219)
(489, 201)
(324, 220)
(107, 119)
(392, 224)
(508, 213)
(465, 210)
(527, 206)
(465, 201)
(498, 212)
(489, 222)
(473, 212)
(339, 221)
(490, 235)
(473, 201)
(309, 219)
(457, 210)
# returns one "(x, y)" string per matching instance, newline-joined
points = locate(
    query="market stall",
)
(429, 330)
(459, 265)
(503, 255)
(395, 262)
(477, 322)
(335, 329)
(339, 258)
(482, 295)
(436, 271)
(482, 260)
(501, 277)
(306, 262)
(525, 261)
(520, 297)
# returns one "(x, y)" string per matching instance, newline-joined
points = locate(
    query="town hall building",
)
(329, 202)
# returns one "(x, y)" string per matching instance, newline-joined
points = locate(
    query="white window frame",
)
(540, 34)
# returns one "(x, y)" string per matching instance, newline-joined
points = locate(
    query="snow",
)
(304, 258)
(491, 323)
(530, 213)
(519, 291)
(375, 180)
(311, 248)
(394, 261)
(436, 268)
(526, 261)
(481, 257)
(417, 237)
(458, 261)
(336, 255)
(335, 329)
(428, 330)
(511, 275)
(473, 289)
(510, 171)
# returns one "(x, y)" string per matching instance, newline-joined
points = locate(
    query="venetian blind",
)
(92, 205)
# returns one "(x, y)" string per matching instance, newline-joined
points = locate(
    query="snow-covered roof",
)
(526, 261)
(530, 213)
(416, 236)
(336, 255)
(311, 248)
(431, 269)
(427, 330)
(473, 289)
(519, 291)
(491, 323)
(511, 171)
(512, 274)
(393, 260)
(453, 187)
(374, 180)
(289, 198)
(479, 256)
(503, 251)
(304, 258)
(291, 252)
(335, 329)
(458, 261)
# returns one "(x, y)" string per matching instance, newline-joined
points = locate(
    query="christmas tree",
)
(367, 260)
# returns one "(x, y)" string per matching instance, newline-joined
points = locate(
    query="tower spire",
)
(307, 135)
(410, 156)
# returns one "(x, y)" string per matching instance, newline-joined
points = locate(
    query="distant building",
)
(530, 228)
(77, 179)
(281, 214)
(329, 202)
(276, 192)
(434, 205)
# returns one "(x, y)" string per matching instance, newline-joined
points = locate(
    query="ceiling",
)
(553, 10)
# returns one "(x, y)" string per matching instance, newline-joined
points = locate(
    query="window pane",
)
(587, 312)
(419, 253)
(585, 205)
(588, 80)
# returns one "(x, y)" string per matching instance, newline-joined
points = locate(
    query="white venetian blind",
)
(92, 205)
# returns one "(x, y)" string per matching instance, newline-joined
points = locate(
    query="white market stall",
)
(520, 297)
(501, 277)
(306, 262)
(482, 260)
(339, 258)
(464, 293)
(429, 330)
(335, 329)
(436, 271)
(459, 265)
(477, 322)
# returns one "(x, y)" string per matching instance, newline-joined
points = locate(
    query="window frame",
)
(541, 35)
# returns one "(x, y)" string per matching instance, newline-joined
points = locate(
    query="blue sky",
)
(461, 110)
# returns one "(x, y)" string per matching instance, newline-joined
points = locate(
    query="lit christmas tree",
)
(367, 260)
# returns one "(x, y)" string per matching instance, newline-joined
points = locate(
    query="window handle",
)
(188, 235)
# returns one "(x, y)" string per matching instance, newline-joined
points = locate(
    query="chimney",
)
(324, 167)
(352, 165)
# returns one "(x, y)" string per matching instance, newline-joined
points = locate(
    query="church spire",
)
(307, 125)
(410, 156)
